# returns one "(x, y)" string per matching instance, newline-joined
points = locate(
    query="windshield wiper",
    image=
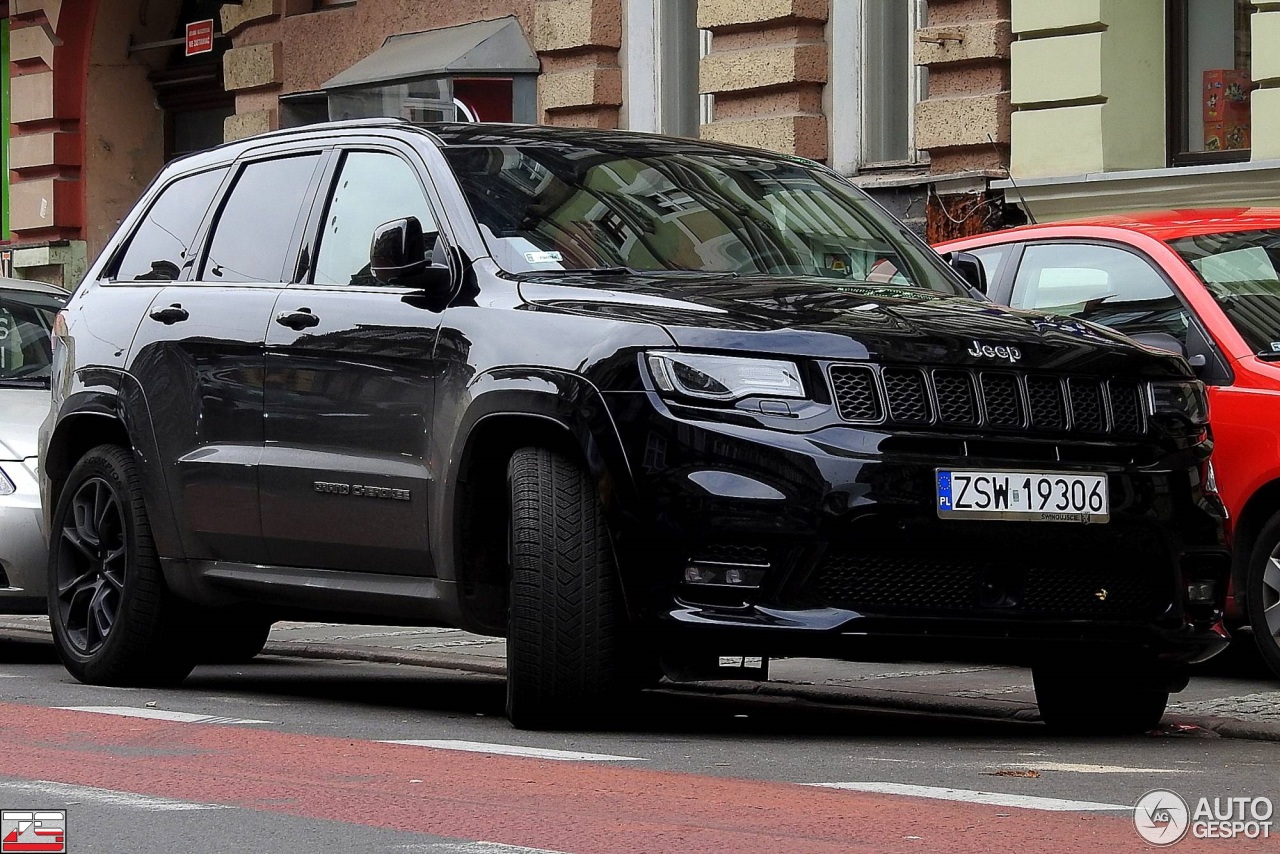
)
(631, 271)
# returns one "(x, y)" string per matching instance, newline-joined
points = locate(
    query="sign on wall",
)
(199, 37)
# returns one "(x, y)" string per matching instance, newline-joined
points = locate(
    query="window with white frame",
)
(874, 82)
(662, 47)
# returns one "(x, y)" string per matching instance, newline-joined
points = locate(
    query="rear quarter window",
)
(162, 244)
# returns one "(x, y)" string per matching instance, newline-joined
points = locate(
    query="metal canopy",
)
(485, 47)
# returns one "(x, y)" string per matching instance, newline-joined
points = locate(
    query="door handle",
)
(299, 320)
(171, 315)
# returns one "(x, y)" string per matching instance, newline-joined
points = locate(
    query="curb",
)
(997, 710)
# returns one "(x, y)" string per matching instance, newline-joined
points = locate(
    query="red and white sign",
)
(199, 37)
(34, 831)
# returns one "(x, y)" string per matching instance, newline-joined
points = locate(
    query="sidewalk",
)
(1232, 706)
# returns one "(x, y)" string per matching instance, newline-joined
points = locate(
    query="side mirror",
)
(1161, 341)
(970, 269)
(398, 256)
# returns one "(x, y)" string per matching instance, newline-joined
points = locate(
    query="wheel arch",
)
(569, 417)
(1261, 507)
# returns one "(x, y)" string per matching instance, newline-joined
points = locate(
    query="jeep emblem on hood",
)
(986, 351)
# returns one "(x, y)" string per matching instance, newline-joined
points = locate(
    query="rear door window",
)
(252, 240)
(162, 244)
(1102, 284)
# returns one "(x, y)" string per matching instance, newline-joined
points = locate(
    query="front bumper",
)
(839, 529)
(23, 554)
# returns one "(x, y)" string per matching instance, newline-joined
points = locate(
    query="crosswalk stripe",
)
(997, 799)
(515, 750)
(161, 715)
(67, 793)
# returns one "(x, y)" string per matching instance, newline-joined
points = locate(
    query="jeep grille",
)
(997, 399)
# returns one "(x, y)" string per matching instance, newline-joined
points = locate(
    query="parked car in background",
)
(27, 311)
(640, 405)
(1204, 283)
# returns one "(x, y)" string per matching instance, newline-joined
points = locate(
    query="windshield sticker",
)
(542, 257)
(1275, 346)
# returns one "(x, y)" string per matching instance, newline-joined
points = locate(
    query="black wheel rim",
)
(1271, 597)
(91, 565)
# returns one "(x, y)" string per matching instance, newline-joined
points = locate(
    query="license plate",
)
(1038, 496)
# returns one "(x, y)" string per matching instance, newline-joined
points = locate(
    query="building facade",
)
(928, 104)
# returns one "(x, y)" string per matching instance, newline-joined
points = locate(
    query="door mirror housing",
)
(1161, 341)
(970, 269)
(398, 255)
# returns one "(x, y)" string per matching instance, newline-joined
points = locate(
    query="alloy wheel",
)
(90, 573)
(1271, 596)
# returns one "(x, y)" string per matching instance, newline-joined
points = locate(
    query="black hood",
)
(819, 319)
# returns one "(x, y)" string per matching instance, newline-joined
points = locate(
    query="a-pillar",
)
(767, 70)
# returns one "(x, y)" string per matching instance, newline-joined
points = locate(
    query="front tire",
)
(567, 635)
(114, 621)
(1081, 701)
(1262, 590)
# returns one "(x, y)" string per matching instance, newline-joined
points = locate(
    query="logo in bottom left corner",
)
(30, 830)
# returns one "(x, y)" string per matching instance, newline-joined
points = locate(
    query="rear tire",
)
(567, 649)
(114, 621)
(1088, 702)
(1262, 590)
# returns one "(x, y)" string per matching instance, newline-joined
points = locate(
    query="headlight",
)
(6, 485)
(724, 378)
(1186, 399)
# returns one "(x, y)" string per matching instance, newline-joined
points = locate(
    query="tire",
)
(1262, 593)
(231, 641)
(114, 621)
(568, 656)
(1077, 701)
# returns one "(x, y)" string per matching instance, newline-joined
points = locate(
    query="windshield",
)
(25, 321)
(666, 209)
(1241, 270)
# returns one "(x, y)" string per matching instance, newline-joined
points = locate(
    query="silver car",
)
(27, 311)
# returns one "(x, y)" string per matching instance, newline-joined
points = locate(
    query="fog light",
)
(1202, 592)
(723, 575)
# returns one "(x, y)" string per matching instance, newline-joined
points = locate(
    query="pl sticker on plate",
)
(542, 257)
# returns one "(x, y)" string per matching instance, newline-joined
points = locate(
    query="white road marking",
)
(110, 797)
(515, 750)
(471, 848)
(161, 715)
(997, 799)
(1096, 769)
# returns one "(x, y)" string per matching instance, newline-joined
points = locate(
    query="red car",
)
(1205, 283)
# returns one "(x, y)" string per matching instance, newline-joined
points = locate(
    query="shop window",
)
(1209, 82)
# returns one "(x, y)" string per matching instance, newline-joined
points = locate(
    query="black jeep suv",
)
(640, 405)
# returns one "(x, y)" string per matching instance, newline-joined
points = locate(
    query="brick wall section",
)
(46, 199)
(578, 42)
(965, 46)
(767, 69)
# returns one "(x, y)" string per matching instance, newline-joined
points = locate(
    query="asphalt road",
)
(288, 755)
